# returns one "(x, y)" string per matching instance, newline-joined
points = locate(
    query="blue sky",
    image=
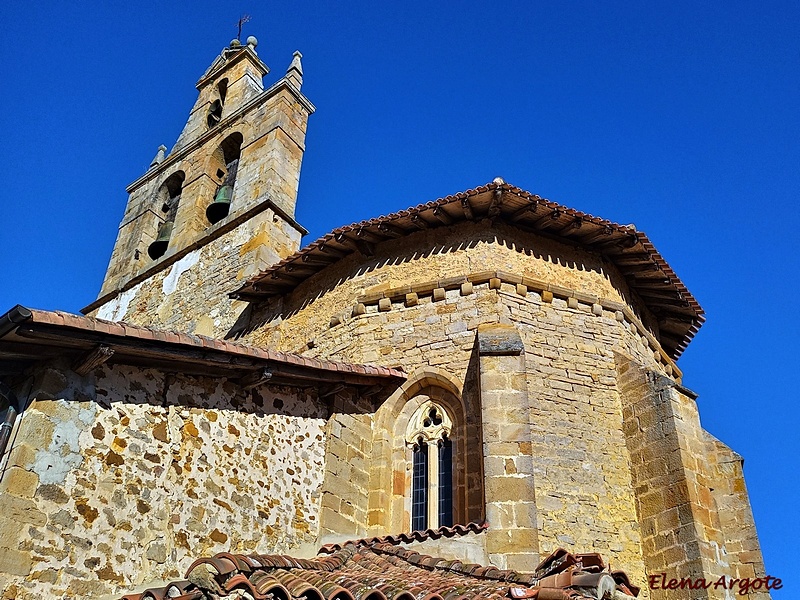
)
(679, 117)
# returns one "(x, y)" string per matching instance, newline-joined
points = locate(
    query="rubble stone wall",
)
(97, 500)
(191, 295)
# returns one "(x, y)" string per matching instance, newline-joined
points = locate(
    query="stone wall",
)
(345, 491)
(98, 500)
(429, 256)
(267, 136)
(690, 498)
(727, 485)
(584, 493)
(468, 548)
(191, 294)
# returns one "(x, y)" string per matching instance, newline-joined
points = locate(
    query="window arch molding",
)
(390, 503)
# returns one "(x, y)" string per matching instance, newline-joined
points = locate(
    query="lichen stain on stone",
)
(190, 429)
(142, 506)
(299, 522)
(182, 539)
(232, 429)
(118, 445)
(108, 574)
(261, 238)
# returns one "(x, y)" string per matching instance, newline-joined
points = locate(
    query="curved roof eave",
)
(647, 272)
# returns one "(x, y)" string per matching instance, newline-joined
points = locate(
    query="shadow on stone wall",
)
(423, 246)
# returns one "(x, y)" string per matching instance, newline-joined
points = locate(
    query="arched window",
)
(224, 166)
(428, 437)
(449, 456)
(167, 198)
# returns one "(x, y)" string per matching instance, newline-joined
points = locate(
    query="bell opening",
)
(157, 249)
(218, 210)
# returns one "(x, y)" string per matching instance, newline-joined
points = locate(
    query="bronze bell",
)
(159, 247)
(219, 209)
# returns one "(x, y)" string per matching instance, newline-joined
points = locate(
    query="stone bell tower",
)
(218, 207)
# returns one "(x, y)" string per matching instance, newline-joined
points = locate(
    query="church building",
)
(477, 396)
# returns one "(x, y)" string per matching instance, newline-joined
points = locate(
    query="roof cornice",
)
(630, 251)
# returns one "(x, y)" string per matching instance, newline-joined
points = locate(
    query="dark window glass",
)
(445, 482)
(419, 487)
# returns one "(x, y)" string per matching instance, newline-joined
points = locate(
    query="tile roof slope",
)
(122, 329)
(414, 536)
(648, 272)
(380, 570)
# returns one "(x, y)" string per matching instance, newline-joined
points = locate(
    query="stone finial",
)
(295, 71)
(252, 41)
(498, 180)
(159, 157)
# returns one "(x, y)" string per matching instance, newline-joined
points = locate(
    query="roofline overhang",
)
(630, 251)
(44, 335)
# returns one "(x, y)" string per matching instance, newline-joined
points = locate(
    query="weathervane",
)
(242, 20)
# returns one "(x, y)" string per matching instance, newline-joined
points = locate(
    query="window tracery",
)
(428, 436)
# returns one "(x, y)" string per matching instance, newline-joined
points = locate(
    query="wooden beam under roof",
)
(601, 233)
(570, 227)
(391, 230)
(318, 259)
(551, 215)
(467, 208)
(661, 302)
(524, 212)
(366, 248)
(332, 250)
(440, 213)
(419, 222)
(496, 203)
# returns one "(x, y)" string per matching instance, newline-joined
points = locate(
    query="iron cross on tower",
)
(242, 20)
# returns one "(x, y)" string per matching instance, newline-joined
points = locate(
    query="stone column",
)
(512, 538)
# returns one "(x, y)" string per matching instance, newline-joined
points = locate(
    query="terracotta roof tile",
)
(414, 536)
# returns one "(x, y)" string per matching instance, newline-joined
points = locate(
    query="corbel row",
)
(410, 295)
